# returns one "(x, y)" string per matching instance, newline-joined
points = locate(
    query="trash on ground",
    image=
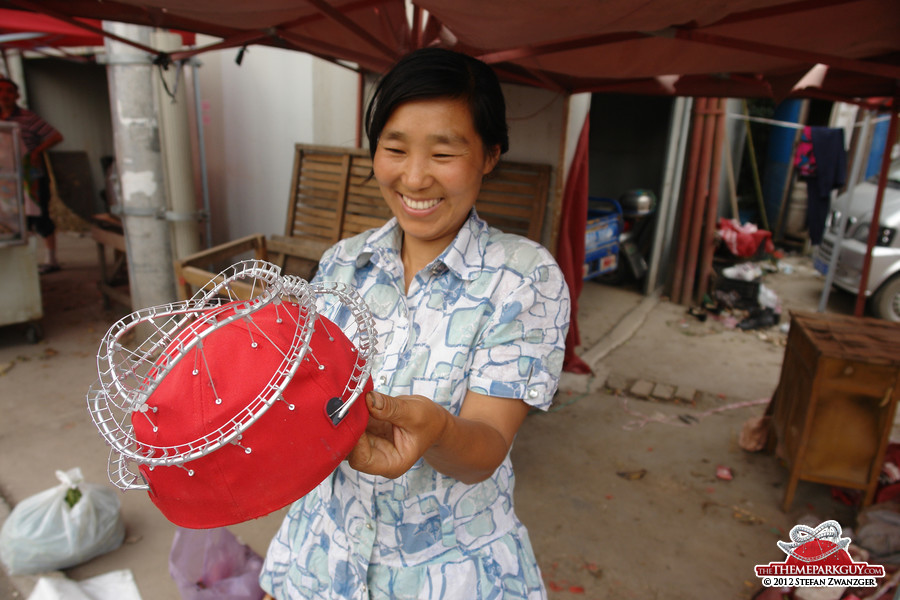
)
(632, 475)
(115, 585)
(760, 319)
(724, 473)
(57, 528)
(878, 531)
(754, 434)
(742, 515)
(744, 240)
(740, 300)
(746, 271)
(212, 564)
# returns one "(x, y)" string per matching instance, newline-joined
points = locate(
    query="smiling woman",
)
(429, 163)
(471, 325)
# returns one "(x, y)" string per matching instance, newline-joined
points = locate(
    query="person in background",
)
(38, 136)
(471, 325)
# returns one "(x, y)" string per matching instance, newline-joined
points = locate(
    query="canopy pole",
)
(875, 227)
(201, 152)
(140, 165)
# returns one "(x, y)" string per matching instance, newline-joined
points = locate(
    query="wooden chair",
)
(334, 196)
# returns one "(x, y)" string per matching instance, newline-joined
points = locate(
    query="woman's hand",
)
(468, 447)
(401, 429)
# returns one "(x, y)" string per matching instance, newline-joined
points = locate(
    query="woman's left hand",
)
(401, 429)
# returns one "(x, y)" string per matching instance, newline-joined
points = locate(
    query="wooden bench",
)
(333, 196)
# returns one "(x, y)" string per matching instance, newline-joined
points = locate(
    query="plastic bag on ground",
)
(212, 564)
(44, 533)
(115, 585)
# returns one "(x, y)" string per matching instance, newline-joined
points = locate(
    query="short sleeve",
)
(520, 352)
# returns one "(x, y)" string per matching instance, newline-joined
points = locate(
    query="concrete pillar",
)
(140, 166)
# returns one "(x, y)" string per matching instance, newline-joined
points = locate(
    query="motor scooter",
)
(638, 205)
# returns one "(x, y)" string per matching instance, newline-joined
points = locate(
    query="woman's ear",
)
(491, 158)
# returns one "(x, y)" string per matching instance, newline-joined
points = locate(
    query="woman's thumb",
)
(378, 401)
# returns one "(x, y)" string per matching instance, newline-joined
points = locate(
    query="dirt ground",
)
(619, 493)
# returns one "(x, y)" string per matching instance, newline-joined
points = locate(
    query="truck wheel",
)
(886, 301)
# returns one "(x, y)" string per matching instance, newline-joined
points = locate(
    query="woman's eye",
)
(393, 150)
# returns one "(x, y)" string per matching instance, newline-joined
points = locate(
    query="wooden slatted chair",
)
(334, 196)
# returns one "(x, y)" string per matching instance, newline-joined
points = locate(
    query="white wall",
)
(253, 114)
(538, 122)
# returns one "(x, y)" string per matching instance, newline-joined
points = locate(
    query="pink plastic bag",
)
(211, 564)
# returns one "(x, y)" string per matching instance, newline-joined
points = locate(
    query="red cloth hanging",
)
(570, 247)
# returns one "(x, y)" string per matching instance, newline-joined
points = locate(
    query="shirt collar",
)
(464, 256)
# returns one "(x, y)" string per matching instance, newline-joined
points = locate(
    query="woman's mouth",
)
(419, 203)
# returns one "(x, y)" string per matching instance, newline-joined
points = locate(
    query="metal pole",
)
(757, 186)
(139, 162)
(687, 203)
(702, 190)
(201, 151)
(875, 228)
(712, 208)
(845, 214)
(175, 137)
(668, 198)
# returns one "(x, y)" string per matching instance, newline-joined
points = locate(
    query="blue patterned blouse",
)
(489, 314)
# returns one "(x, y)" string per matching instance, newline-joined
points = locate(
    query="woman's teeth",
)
(420, 204)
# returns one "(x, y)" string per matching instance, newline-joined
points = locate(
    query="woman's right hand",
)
(401, 430)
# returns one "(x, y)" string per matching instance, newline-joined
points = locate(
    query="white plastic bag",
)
(44, 533)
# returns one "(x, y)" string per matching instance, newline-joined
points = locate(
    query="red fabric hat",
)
(290, 449)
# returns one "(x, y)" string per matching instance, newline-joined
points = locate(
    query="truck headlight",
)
(885, 235)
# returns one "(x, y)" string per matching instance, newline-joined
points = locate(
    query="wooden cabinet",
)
(834, 407)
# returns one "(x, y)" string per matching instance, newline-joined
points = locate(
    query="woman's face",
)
(429, 163)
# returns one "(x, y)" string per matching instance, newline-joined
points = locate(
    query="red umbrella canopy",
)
(685, 47)
(370, 33)
(27, 30)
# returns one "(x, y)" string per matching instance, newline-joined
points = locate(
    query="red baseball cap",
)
(285, 453)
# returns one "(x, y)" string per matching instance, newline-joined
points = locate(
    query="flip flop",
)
(44, 269)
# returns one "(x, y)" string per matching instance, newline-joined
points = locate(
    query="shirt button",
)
(369, 526)
(382, 380)
(532, 393)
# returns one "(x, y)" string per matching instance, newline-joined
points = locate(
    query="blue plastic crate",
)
(601, 237)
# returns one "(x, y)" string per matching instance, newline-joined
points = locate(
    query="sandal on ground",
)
(44, 269)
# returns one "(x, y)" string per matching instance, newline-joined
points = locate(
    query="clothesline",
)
(789, 124)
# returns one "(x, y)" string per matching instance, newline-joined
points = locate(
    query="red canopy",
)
(738, 48)
(45, 31)
(30, 30)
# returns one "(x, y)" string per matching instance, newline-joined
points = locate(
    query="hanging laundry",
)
(824, 167)
(805, 159)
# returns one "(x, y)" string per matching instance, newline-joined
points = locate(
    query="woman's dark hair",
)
(439, 73)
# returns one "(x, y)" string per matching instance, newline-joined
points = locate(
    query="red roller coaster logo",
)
(818, 558)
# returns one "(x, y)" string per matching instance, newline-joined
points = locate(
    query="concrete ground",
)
(619, 492)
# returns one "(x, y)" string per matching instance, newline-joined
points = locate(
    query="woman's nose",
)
(416, 173)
